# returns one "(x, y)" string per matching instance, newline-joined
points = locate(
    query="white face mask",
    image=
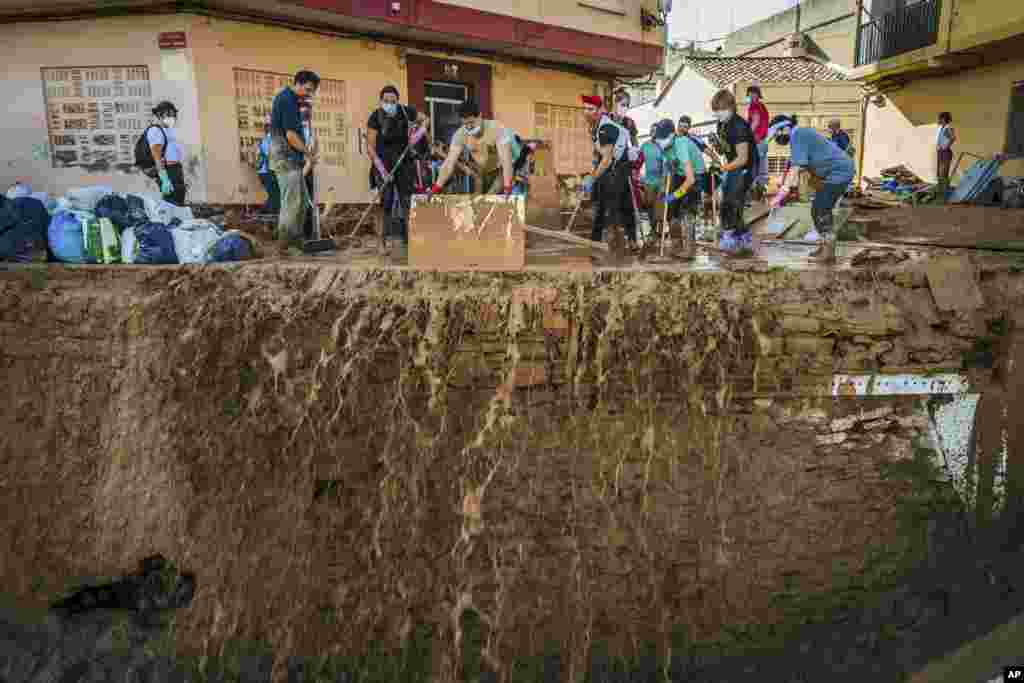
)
(389, 108)
(170, 121)
(748, 100)
(474, 131)
(723, 115)
(664, 143)
(622, 109)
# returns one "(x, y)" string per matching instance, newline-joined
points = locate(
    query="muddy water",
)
(342, 455)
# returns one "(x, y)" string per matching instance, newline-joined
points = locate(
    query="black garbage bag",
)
(155, 244)
(116, 209)
(136, 210)
(23, 224)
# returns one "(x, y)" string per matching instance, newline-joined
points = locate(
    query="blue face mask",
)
(389, 108)
(664, 143)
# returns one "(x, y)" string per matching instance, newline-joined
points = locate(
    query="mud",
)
(345, 454)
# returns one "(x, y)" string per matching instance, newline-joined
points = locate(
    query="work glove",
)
(670, 197)
(780, 198)
(588, 184)
(166, 187)
(434, 189)
(507, 190)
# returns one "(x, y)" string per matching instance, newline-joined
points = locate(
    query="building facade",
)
(918, 59)
(813, 91)
(81, 80)
(824, 28)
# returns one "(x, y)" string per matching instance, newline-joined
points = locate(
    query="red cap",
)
(593, 99)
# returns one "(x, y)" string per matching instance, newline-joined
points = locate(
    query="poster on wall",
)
(95, 114)
(568, 129)
(254, 95)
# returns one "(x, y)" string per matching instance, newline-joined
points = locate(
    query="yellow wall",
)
(221, 46)
(572, 14)
(976, 22)
(26, 48)
(903, 131)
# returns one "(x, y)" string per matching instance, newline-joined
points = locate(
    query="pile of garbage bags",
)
(97, 225)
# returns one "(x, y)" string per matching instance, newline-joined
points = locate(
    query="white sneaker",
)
(812, 236)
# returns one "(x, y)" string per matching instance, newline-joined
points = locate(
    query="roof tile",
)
(725, 71)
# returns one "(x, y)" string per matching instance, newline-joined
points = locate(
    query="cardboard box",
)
(464, 232)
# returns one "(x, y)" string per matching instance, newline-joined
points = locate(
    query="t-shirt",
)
(701, 145)
(757, 114)
(284, 116)
(841, 140)
(392, 131)
(653, 164)
(809, 149)
(734, 132)
(484, 148)
(679, 152)
(172, 155)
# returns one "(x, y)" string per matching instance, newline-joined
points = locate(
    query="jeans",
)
(824, 202)
(735, 185)
(292, 219)
(762, 171)
(273, 204)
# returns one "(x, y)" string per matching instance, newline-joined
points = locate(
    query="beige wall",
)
(221, 46)
(200, 81)
(26, 48)
(903, 131)
(581, 15)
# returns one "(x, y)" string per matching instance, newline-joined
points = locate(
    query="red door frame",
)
(477, 77)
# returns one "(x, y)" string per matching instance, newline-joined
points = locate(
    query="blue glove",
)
(669, 197)
(588, 184)
(166, 187)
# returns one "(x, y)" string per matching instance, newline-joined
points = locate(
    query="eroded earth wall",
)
(343, 455)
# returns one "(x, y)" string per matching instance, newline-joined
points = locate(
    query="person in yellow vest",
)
(496, 152)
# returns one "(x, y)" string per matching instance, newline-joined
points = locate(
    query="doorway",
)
(442, 102)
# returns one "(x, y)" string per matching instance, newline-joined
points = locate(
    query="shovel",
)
(316, 245)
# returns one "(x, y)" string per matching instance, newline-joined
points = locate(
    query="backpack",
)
(144, 155)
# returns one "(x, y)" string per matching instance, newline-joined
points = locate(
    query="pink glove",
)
(780, 198)
(380, 167)
(418, 135)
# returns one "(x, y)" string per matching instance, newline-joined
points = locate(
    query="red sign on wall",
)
(174, 40)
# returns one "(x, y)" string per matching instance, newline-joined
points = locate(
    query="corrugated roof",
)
(724, 71)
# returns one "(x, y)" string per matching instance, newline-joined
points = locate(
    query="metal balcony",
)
(907, 28)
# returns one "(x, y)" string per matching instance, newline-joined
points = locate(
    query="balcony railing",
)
(907, 28)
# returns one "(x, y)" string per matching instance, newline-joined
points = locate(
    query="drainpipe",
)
(856, 40)
(863, 138)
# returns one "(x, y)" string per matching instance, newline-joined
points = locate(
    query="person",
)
(391, 129)
(653, 177)
(741, 163)
(703, 177)
(267, 177)
(682, 160)
(621, 116)
(167, 152)
(812, 153)
(944, 152)
(840, 138)
(757, 117)
(496, 154)
(611, 183)
(291, 158)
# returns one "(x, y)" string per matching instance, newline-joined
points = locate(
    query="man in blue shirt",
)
(813, 153)
(839, 136)
(288, 157)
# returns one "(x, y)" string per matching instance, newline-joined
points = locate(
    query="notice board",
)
(94, 115)
(254, 96)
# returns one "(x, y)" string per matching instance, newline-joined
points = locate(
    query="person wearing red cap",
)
(612, 179)
(497, 153)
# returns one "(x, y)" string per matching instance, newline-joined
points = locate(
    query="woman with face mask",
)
(167, 152)
(815, 154)
(741, 163)
(757, 116)
(682, 160)
(392, 129)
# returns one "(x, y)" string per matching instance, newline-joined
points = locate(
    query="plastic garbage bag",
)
(160, 211)
(102, 242)
(137, 214)
(193, 243)
(86, 198)
(128, 245)
(18, 190)
(65, 235)
(23, 224)
(115, 208)
(154, 244)
(231, 246)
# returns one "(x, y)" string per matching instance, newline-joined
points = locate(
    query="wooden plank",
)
(455, 232)
(566, 237)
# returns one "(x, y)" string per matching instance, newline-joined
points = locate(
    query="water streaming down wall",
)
(341, 455)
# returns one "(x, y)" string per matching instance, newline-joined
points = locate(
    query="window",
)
(443, 100)
(1015, 125)
(614, 6)
(777, 165)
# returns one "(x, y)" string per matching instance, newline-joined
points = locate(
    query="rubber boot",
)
(826, 253)
(617, 243)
